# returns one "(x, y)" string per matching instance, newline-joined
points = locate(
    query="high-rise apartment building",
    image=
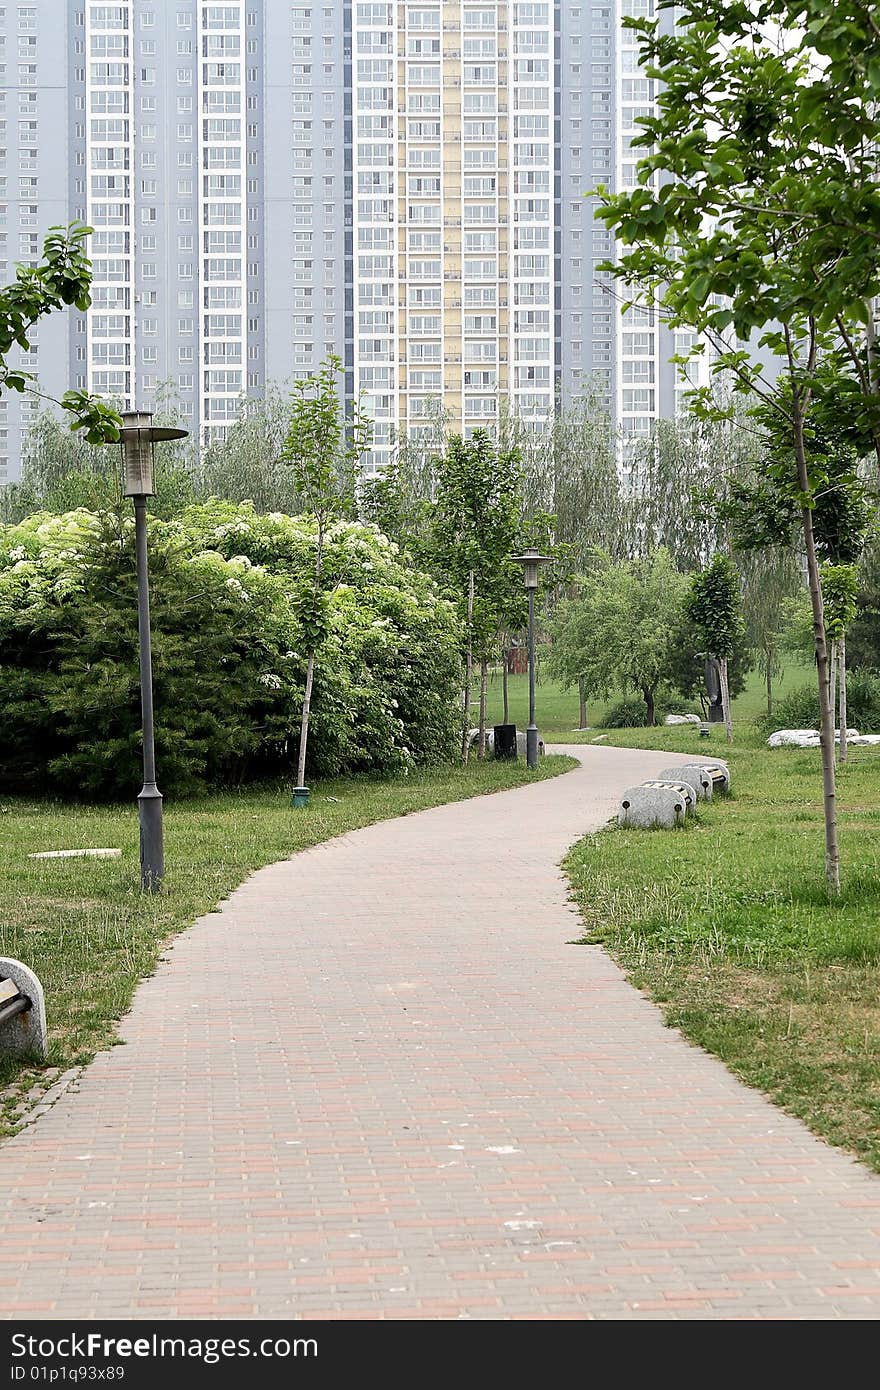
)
(399, 182)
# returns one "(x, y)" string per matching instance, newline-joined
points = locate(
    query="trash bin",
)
(505, 740)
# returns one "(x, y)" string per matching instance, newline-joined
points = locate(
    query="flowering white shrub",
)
(228, 660)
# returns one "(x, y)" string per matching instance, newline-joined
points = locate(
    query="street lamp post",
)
(530, 561)
(137, 439)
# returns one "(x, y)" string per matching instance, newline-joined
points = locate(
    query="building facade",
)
(398, 182)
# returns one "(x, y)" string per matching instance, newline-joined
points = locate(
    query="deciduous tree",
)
(61, 279)
(477, 522)
(712, 607)
(323, 448)
(618, 631)
(754, 221)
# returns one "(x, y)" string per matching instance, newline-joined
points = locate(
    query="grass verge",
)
(726, 925)
(91, 935)
(558, 709)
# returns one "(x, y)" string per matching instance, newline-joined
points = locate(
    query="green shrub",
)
(800, 708)
(228, 669)
(631, 713)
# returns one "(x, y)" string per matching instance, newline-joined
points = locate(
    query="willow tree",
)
(62, 470)
(676, 469)
(569, 470)
(754, 221)
(769, 578)
(248, 464)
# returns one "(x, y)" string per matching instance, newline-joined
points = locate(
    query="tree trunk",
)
(468, 672)
(826, 718)
(800, 400)
(725, 698)
(832, 683)
(648, 697)
(505, 717)
(873, 361)
(304, 728)
(582, 697)
(310, 669)
(769, 667)
(841, 666)
(484, 681)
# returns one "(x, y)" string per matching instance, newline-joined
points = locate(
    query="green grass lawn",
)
(89, 932)
(557, 710)
(727, 926)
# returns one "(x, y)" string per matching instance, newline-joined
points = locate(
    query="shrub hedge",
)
(800, 708)
(229, 667)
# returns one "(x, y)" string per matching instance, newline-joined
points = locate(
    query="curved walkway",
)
(379, 1083)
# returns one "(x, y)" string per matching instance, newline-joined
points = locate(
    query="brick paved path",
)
(380, 1084)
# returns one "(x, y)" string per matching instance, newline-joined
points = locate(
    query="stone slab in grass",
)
(76, 854)
(805, 738)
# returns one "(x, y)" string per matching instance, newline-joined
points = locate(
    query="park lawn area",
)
(91, 934)
(557, 710)
(726, 925)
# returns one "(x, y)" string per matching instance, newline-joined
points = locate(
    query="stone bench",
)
(22, 1011)
(706, 778)
(657, 805)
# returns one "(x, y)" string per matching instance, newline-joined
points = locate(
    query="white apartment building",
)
(399, 182)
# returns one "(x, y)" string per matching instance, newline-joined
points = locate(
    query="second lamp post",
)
(531, 560)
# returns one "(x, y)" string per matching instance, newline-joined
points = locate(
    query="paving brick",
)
(439, 1109)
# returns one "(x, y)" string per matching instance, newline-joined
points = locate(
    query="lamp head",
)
(531, 560)
(137, 440)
